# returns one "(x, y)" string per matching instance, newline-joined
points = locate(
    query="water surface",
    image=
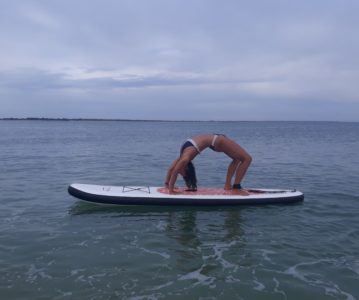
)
(55, 247)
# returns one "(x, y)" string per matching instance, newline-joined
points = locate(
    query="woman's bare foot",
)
(228, 187)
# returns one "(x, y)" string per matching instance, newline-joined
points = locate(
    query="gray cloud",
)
(204, 58)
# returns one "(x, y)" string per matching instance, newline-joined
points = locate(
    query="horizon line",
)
(153, 120)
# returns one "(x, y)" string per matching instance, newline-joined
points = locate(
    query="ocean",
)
(53, 246)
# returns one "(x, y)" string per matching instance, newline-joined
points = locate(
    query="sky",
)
(180, 60)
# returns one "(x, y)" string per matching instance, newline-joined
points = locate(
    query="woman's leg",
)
(240, 160)
(230, 172)
(242, 169)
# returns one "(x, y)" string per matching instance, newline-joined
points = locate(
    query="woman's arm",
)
(179, 167)
(169, 172)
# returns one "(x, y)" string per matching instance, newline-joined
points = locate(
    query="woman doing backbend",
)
(194, 146)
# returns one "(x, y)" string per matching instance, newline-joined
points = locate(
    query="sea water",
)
(53, 246)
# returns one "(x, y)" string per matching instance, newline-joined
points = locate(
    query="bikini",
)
(215, 137)
(236, 186)
(192, 143)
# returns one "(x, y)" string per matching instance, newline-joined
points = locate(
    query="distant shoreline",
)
(154, 120)
(112, 120)
(78, 119)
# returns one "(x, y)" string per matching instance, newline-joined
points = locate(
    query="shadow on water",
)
(82, 208)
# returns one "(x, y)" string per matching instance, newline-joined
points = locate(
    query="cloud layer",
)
(207, 60)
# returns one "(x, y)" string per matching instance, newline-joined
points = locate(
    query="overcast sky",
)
(178, 59)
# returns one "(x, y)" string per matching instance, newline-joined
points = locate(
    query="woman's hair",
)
(190, 177)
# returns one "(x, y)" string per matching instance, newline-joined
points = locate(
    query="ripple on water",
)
(311, 273)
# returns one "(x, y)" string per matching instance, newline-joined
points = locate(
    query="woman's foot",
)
(237, 186)
(227, 187)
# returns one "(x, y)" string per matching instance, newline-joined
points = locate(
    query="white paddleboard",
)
(148, 195)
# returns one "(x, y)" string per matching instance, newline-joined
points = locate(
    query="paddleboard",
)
(148, 195)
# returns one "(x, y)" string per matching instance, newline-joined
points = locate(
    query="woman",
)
(194, 146)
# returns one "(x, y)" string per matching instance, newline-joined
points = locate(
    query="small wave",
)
(161, 225)
(258, 285)
(316, 279)
(82, 244)
(265, 254)
(277, 290)
(147, 297)
(91, 279)
(163, 254)
(62, 294)
(218, 253)
(159, 287)
(197, 275)
(231, 279)
(219, 250)
(336, 291)
(34, 273)
(76, 271)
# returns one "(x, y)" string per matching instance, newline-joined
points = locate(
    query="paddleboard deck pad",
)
(146, 195)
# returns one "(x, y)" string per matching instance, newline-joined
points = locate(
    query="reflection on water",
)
(83, 207)
(198, 245)
(196, 235)
(181, 228)
(232, 226)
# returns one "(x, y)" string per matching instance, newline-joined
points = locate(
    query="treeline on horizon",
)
(155, 120)
(72, 119)
(103, 119)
